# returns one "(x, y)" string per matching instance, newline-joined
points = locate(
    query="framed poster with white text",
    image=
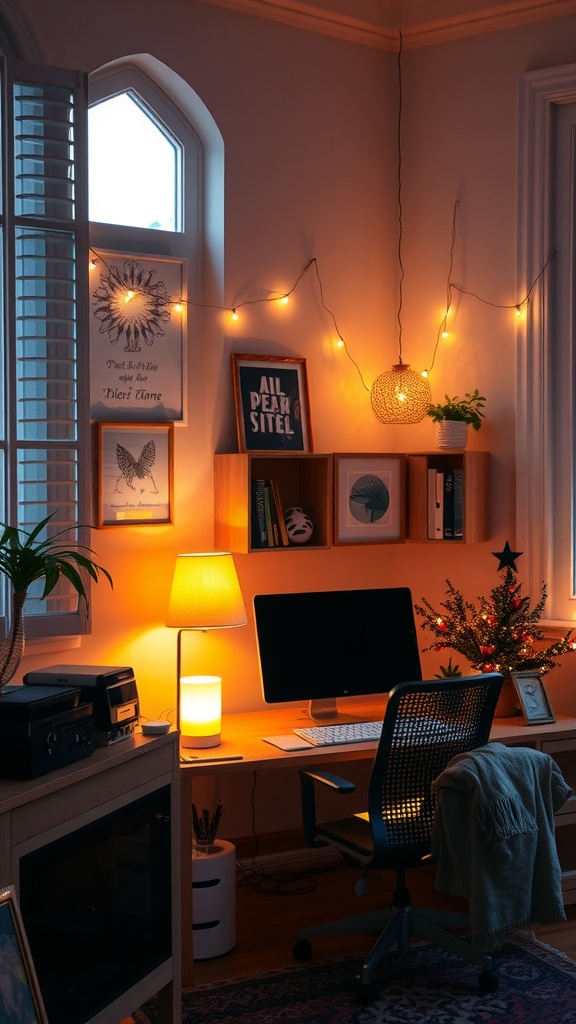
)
(135, 466)
(271, 401)
(137, 325)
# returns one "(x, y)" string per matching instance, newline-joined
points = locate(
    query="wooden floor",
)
(271, 905)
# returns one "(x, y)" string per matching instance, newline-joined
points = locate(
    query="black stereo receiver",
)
(110, 688)
(43, 728)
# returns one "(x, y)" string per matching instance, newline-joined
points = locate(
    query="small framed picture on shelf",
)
(271, 402)
(20, 996)
(534, 702)
(369, 502)
(135, 467)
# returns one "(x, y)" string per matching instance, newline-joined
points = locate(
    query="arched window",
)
(161, 100)
(123, 130)
(156, 188)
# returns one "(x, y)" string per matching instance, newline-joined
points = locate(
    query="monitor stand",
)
(324, 711)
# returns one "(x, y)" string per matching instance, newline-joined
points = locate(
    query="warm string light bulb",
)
(407, 407)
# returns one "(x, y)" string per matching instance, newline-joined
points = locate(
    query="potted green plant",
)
(26, 557)
(454, 415)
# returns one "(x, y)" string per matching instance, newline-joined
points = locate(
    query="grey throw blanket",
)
(493, 838)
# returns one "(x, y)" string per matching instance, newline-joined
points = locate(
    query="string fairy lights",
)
(401, 374)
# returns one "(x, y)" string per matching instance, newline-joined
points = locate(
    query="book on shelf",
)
(458, 503)
(435, 524)
(259, 526)
(268, 528)
(279, 514)
(448, 513)
(445, 508)
(435, 504)
(270, 518)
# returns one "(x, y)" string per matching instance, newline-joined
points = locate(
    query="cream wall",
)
(309, 128)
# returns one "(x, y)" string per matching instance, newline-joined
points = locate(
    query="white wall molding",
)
(376, 23)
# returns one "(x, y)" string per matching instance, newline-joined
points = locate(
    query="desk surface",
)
(242, 736)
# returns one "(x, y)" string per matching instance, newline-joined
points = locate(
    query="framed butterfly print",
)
(135, 465)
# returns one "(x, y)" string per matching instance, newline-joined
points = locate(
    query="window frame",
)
(545, 392)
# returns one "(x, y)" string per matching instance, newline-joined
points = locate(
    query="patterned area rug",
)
(427, 986)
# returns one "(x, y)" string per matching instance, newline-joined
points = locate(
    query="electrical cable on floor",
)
(276, 883)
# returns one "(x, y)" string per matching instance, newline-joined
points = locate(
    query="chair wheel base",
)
(366, 993)
(488, 981)
(302, 950)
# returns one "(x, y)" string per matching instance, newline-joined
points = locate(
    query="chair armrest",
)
(329, 779)
(308, 780)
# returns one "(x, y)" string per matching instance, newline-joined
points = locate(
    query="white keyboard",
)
(348, 732)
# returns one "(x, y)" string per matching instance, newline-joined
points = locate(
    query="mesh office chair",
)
(425, 725)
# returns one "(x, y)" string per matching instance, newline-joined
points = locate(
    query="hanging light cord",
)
(399, 201)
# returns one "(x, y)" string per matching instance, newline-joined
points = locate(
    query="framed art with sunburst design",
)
(369, 499)
(135, 463)
(137, 324)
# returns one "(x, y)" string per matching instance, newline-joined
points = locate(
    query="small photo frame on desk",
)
(534, 702)
(20, 997)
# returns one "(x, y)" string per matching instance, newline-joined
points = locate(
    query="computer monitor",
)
(321, 645)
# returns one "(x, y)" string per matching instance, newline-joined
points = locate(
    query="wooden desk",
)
(242, 735)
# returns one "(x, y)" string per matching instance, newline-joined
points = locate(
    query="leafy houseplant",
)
(26, 557)
(463, 410)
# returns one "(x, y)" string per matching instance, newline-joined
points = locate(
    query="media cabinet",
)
(117, 784)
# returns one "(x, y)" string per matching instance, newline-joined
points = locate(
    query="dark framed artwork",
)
(271, 403)
(136, 472)
(369, 501)
(534, 702)
(20, 997)
(137, 327)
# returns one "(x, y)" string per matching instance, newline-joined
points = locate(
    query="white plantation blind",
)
(44, 307)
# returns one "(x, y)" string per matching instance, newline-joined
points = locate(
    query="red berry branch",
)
(498, 634)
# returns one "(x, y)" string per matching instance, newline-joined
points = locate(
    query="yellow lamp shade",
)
(205, 592)
(200, 711)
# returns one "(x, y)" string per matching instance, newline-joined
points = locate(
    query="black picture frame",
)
(271, 403)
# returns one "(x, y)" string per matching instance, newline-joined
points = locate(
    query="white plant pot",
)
(452, 434)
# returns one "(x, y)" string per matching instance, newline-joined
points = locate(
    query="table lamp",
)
(205, 595)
